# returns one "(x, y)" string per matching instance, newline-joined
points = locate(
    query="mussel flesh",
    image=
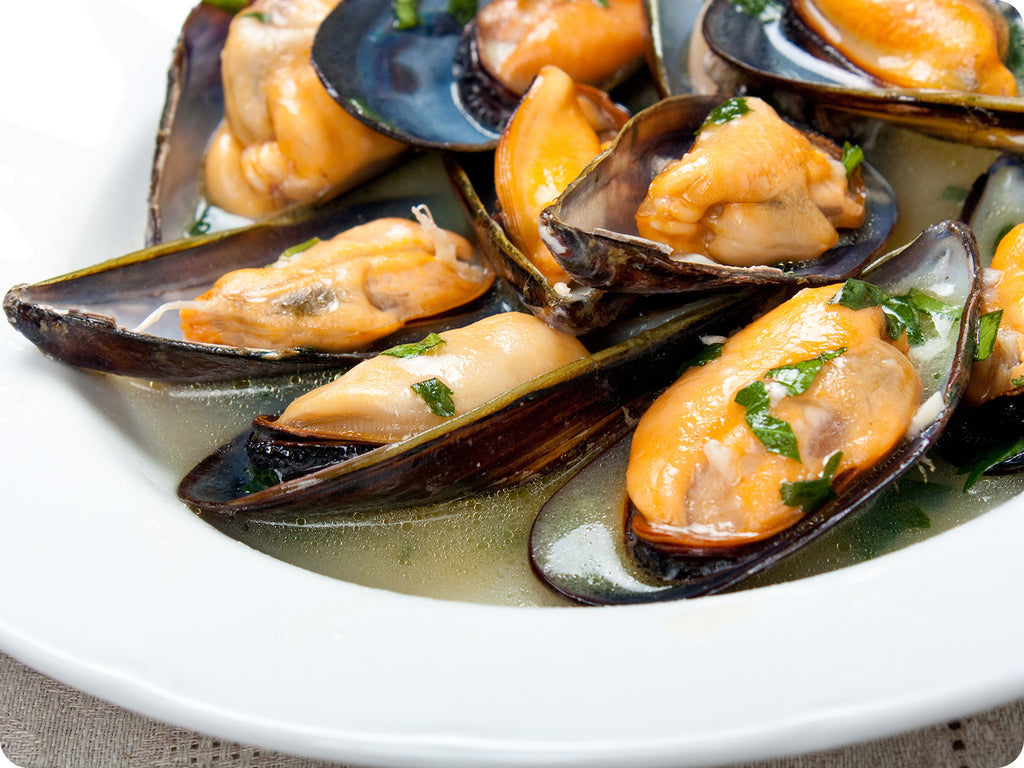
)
(283, 139)
(944, 44)
(594, 43)
(753, 453)
(558, 128)
(753, 190)
(340, 294)
(606, 235)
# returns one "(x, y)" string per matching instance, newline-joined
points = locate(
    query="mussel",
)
(437, 81)
(607, 551)
(546, 422)
(593, 228)
(90, 318)
(247, 128)
(986, 433)
(768, 48)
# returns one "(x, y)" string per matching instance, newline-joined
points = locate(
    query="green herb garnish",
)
(776, 435)
(902, 313)
(728, 110)
(462, 10)
(262, 18)
(798, 377)
(436, 394)
(979, 466)
(988, 328)
(415, 349)
(228, 6)
(811, 494)
(853, 156)
(299, 248)
(1018, 382)
(702, 358)
(201, 225)
(405, 14)
(764, 10)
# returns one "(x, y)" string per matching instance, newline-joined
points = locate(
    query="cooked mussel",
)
(600, 228)
(548, 421)
(611, 550)
(986, 432)
(90, 318)
(248, 129)
(768, 48)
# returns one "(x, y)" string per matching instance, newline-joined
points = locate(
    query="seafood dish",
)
(709, 315)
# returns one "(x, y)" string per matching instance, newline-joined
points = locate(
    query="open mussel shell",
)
(591, 228)
(420, 85)
(575, 308)
(579, 544)
(767, 55)
(548, 422)
(193, 107)
(987, 433)
(87, 318)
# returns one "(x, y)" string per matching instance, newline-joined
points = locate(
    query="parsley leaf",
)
(764, 10)
(975, 469)
(902, 313)
(811, 494)
(728, 110)
(988, 328)
(202, 225)
(436, 394)
(228, 6)
(776, 435)
(413, 350)
(406, 14)
(299, 248)
(702, 358)
(798, 377)
(262, 18)
(853, 156)
(462, 10)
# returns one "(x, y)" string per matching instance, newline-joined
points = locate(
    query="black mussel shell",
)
(86, 318)
(421, 85)
(579, 543)
(757, 40)
(592, 232)
(548, 422)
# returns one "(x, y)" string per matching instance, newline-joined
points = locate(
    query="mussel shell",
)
(577, 548)
(548, 422)
(193, 107)
(760, 49)
(995, 205)
(85, 318)
(591, 229)
(575, 309)
(421, 85)
(672, 23)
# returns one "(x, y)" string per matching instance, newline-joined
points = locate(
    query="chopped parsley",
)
(728, 110)
(852, 157)
(262, 18)
(776, 435)
(906, 313)
(436, 394)
(405, 14)
(462, 10)
(710, 352)
(415, 349)
(988, 328)
(798, 377)
(228, 6)
(811, 494)
(763, 10)
(975, 469)
(299, 248)
(202, 224)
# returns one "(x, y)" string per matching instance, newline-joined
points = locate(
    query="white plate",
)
(109, 584)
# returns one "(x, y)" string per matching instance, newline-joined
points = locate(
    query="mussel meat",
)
(341, 294)
(594, 43)
(602, 230)
(762, 427)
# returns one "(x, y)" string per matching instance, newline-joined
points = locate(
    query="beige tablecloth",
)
(45, 724)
